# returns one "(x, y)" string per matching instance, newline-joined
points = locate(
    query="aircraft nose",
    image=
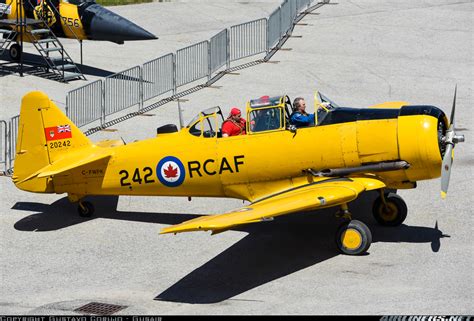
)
(106, 25)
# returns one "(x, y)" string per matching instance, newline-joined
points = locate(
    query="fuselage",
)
(250, 166)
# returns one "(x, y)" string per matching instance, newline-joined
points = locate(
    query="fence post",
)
(8, 148)
(67, 105)
(102, 103)
(209, 68)
(228, 50)
(174, 75)
(4, 143)
(140, 89)
(11, 152)
(268, 36)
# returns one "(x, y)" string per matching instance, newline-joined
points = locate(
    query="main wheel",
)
(15, 51)
(353, 238)
(85, 209)
(392, 213)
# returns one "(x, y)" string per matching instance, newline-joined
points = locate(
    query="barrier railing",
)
(84, 105)
(274, 28)
(3, 146)
(192, 63)
(219, 50)
(123, 90)
(136, 85)
(286, 21)
(12, 135)
(248, 39)
(158, 76)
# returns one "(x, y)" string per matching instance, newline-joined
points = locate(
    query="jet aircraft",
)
(80, 19)
(278, 168)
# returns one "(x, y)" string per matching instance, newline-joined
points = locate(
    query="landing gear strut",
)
(353, 237)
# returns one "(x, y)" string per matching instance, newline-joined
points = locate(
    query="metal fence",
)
(13, 135)
(301, 4)
(219, 50)
(85, 104)
(248, 39)
(158, 76)
(286, 20)
(192, 63)
(274, 29)
(123, 90)
(3, 146)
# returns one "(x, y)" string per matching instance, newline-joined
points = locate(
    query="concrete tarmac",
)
(357, 53)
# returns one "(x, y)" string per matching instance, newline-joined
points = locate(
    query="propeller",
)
(449, 140)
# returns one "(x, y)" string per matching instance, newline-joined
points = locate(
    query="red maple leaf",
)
(170, 172)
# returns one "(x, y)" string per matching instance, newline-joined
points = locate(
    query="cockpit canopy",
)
(263, 114)
(207, 123)
(265, 101)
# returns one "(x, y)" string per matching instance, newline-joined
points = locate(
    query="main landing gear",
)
(354, 237)
(389, 209)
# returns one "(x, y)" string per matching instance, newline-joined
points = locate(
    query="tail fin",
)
(45, 134)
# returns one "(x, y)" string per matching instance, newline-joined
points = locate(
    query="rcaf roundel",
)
(170, 171)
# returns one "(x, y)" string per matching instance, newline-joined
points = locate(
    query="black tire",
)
(353, 238)
(15, 51)
(86, 210)
(393, 214)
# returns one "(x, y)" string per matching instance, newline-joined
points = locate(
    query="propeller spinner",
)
(449, 140)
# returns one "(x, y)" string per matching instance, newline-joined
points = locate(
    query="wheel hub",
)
(351, 239)
(388, 211)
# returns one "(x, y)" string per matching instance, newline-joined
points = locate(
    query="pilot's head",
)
(299, 105)
(235, 114)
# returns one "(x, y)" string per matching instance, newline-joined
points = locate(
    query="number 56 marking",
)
(71, 22)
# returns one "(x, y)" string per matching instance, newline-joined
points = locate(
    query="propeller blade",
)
(451, 121)
(446, 169)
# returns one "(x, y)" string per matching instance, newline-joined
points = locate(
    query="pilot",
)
(299, 117)
(234, 125)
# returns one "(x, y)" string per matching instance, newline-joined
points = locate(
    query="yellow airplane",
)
(81, 19)
(278, 168)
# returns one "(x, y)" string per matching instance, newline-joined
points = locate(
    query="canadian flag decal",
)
(58, 132)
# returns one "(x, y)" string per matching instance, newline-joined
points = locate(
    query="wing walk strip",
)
(312, 196)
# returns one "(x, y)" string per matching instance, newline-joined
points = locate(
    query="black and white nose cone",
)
(103, 24)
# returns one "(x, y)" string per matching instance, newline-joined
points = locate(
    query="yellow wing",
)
(320, 194)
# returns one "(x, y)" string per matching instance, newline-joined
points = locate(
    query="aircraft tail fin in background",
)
(45, 135)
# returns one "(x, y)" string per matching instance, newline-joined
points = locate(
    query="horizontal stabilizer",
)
(79, 158)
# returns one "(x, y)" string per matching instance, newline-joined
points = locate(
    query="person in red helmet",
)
(234, 125)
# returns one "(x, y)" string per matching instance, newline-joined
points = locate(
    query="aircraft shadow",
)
(271, 250)
(280, 248)
(32, 62)
(62, 214)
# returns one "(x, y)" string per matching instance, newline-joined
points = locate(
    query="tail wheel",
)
(353, 238)
(392, 212)
(85, 209)
(15, 51)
